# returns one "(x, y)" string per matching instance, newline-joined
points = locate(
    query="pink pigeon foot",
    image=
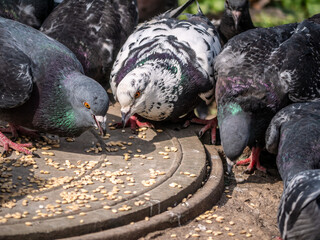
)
(253, 161)
(134, 123)
(209, 124)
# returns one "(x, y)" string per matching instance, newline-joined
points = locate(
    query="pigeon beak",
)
(235, 133)
(125, 117)
(101, 123)
(236, 17)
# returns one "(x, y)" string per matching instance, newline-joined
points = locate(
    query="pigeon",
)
(259, 72)
(94, 30)
(235, 19)
(29, 12)
(299, 209)
(294, 135)
(43, 87)
(165, 68)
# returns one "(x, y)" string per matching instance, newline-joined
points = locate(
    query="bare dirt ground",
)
(247, 209)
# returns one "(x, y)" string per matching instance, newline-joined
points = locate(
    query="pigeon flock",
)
(60, 60)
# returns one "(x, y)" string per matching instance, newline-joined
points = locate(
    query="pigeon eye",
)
(87, 105)
(137, 95)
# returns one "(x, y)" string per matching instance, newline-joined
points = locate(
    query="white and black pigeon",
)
(94, 30)
(259, 72)
(29, 12)
(165, 68)
(235, 19)
(294, 135)
(43, 87)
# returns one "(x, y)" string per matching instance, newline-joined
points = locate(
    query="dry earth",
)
(247, 209)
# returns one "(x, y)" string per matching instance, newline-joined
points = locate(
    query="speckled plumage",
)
(258, 73)
(30, 12)
(42, 85)
(94, 31)
(299, 209)
(169, 62)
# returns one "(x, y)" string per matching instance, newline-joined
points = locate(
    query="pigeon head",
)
(71, 104)
(147, 91)
(89, 101)
(235, 128)
(236, 8)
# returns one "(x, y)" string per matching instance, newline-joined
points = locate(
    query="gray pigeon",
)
(94, 30)
(42, 85)
(29, 12)
(165, 68)
(299, 209)
(259, 72)
(294, 135)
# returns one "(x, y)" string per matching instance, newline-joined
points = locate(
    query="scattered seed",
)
(173, 185)
(28, 224)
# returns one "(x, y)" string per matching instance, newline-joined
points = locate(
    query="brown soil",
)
(247, 210)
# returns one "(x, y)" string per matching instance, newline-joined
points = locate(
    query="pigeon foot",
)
(15, 129)
(209, 124)
(134, 124)
(253, 161)
(7, 143)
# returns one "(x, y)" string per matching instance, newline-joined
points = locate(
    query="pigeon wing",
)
(16, 81)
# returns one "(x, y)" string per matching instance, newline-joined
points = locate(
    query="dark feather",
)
(94, 31)
(29, 12)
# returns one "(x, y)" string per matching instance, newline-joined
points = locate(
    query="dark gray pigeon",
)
(94, 30)
(235, 19)
(299, 209)
(259, 72)
(165, 68)
(42, 85)
(30, 12)
(294, 135)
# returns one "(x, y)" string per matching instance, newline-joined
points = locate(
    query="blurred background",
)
(265, 13)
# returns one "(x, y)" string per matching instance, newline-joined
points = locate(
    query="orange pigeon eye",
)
(138, 93)
(87, 105)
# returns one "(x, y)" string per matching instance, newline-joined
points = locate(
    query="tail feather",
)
(174, 13)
